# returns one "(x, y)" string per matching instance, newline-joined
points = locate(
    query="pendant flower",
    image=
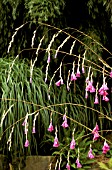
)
(78, 163)
(73, 77)
(59, 82)
(72, 144)
(33, 130)
(95, 132)
(50, 128)
(56, 142)
(68, 166)
(105, 148)
(90, 155)
(26, 143)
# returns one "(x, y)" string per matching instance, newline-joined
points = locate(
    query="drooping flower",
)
(33, 130)
(90, 87)
(23, 124)
(26, 143)
(105, 148)
(83, 71)
(95, 132)
(72, 144)
(50, 128)
(68, 166)
(96, 100)
(90, 155)
(65, 124)
(30, 80)
(96, 136)
(78, 163)
(59, 82)
(96, 129)
(48, 59)
(73, 77)
(105, 98)
(78, 73)
(56, 142)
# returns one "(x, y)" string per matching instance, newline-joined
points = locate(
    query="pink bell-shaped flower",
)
(50, 128)
(65, 124)
(58, 83)
(105, 148)
(96, 100)
(26, 143)
(90, 155)
(96, 136)
(73, 77)
(68, 166)
(96, 128)
(72, 144)
(78, 73)
(78, 163)
(56, 142)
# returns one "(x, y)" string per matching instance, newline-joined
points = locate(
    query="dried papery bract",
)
(48, 51)
(33, 38)
(10, 68)
(96, 95)
(12, 40)
(61, 46)
(51, 82)
(56, 164)
(51, 42)
(34, 120)
(33, 63)
(59, 167)
(71, 49)
(68, 78)
(4, 115)
(9, 139)
(83, 71)
(78, 71)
